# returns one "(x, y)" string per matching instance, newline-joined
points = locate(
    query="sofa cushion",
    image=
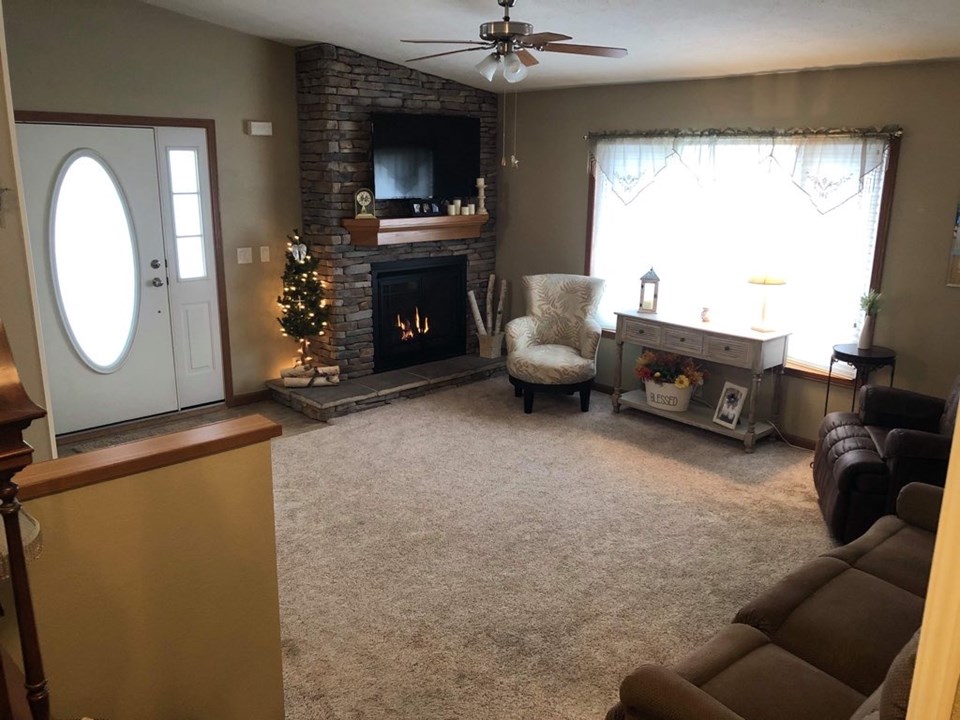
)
(893, 551)
(758, 680)
(852, 628)
(550, 365)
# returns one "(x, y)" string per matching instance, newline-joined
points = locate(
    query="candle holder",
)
(481, 202)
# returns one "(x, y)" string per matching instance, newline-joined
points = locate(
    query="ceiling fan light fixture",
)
(488, 66)
(513, 70)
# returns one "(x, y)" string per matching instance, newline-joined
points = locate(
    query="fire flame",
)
(410, 330)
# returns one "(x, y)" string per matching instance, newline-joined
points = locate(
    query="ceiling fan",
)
(511, 42)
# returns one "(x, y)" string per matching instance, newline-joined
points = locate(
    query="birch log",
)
(491, 287)
(503, 295)
(471, 296)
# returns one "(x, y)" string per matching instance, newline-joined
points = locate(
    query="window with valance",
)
(708, 210)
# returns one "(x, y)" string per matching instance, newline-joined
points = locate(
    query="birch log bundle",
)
(492, 325)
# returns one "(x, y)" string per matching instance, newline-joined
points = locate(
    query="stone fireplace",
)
(337, 92)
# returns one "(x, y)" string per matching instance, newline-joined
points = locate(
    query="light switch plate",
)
(264, 253)
(244, 256)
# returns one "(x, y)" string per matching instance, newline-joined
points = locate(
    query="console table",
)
(757, 352)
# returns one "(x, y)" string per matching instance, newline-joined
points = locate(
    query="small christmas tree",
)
(303, 313)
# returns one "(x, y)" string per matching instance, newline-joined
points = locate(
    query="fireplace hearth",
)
(419, 311)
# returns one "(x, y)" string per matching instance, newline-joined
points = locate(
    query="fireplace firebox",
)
(419, 311)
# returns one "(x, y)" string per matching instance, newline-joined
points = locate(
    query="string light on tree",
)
(303, 311)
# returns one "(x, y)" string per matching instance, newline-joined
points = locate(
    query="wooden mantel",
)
(373, 232)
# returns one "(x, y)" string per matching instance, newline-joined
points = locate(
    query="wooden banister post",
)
(17, 411)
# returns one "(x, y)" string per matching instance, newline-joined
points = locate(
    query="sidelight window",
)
(187, 218)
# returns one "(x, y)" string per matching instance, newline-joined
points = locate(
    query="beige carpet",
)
(450, 557)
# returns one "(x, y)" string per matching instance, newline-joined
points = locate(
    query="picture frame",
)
(730, 405)
(422, 208)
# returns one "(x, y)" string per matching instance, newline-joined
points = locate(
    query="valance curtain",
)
(828, 168)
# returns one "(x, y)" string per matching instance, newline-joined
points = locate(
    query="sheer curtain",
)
(707, 212)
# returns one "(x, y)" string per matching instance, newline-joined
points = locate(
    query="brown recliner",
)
(862, 460)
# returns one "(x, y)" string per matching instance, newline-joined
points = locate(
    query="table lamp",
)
(765, 281)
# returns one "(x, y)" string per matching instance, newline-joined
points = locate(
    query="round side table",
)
(865, 362)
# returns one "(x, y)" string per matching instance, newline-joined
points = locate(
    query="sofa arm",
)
(521, 333)
(893, 407)
(653, 692)
(590, 339)
(904, 443)
(919, 505)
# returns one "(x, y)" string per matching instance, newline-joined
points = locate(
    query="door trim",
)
(64, 118)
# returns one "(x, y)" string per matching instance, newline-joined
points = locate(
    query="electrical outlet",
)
(264, 253)
(244, 256)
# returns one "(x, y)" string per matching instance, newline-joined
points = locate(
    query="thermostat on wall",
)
(257, 127)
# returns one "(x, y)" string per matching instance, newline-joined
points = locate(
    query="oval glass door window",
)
(94, 261)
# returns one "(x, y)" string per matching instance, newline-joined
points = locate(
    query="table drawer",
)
(729, 352)
(683, 341)
(637, 331)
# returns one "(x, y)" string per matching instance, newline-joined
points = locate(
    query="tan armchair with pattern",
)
(554, 346)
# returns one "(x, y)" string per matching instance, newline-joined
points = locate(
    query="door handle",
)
(157, 282)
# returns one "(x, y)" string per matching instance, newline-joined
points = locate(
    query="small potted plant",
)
(669, 379)
(870, 304)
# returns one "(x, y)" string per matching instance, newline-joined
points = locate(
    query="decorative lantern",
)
(649, 290)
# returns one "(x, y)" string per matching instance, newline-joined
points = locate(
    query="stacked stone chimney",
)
(337, 91)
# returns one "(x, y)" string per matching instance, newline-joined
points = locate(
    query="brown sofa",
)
(863, 459)
(819, 645)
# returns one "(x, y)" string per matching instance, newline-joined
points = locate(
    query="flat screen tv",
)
(425, 156)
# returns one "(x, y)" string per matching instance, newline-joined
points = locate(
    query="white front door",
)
(97, 199)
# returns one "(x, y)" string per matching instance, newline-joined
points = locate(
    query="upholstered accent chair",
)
(554, 346)
(863, 459)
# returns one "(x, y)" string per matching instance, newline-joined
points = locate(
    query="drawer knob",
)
(726, 348)
(640, 332)
(683, 339)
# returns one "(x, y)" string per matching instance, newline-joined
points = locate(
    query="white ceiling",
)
(666, 40)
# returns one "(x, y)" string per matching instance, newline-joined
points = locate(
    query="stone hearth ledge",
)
(327, 401)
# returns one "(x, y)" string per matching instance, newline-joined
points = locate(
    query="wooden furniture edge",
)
(77, 471)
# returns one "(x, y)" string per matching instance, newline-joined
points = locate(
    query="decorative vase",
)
(667, 396)
(866, 333)
(491, 346)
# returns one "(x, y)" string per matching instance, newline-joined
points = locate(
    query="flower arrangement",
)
(664, 367)
(870, 302)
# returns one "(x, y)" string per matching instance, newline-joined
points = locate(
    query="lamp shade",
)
(513, 70)
(488, 66)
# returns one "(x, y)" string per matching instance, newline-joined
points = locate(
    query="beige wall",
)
(16, 310)
(126, 58)
(156, 594)
(544, 202)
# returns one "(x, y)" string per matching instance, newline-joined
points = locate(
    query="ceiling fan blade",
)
(451, 52)
(542, 38)
(527, 58)
(447, 42)
(597, 50)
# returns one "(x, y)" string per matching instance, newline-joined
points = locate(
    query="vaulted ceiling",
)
(666, 40)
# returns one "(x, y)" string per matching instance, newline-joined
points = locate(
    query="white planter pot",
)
(667, 396)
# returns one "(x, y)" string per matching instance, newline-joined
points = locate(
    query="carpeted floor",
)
(451, 557)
